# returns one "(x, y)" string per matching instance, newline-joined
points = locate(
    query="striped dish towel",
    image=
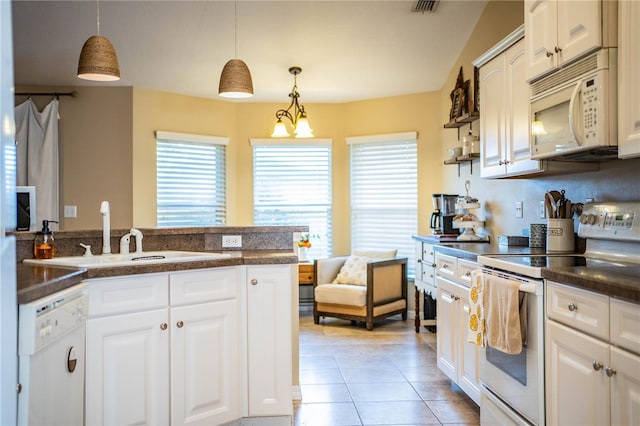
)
(476, 325)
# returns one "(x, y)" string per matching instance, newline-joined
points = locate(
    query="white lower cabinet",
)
(456, 357)
(592, 377)
(269, 340)
(127, 369)
(190, 347)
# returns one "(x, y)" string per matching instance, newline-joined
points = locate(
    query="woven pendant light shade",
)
(98, 60)
(235, 80)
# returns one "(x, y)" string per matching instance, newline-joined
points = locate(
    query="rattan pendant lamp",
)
(98, 60)
(235, 80)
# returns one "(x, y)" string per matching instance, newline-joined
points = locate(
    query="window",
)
(191, 180)
(292, 186)
(384, 193)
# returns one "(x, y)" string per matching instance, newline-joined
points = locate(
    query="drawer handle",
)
(454, 297)
(468, 274)
(610, 371)
(254, 282)
(180, 324)
(596, 365)
(163, 326)
(445, 266)
(572, 307)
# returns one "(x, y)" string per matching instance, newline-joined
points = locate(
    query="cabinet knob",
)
(419, 260)
(180, 324)
(433, 265)
(596, 365)
(609, 371)
(549, 54)
(445, 266)
(572, 307)
(500, 163)
(163, 326)
(254, 282)
(468, 274)
(557, 49)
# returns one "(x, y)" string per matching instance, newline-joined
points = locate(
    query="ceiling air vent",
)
(428, 6)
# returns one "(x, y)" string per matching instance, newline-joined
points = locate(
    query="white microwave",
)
(574, 111)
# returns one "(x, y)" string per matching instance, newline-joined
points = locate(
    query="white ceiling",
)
(348, 50)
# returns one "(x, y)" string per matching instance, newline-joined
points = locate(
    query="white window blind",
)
(384, 193)
(292, 186)
(191, 180)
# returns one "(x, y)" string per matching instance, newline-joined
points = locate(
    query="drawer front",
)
(465, 267)
(446, 266)
(625, 325)
(128, 294)
(305, 273)
(204, 285)
(583, 310)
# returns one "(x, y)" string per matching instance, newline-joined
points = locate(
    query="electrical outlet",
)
(231, 241)
(519, 212)
(70, 211)
(541, 212)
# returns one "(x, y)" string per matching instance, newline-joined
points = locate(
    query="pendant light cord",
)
(235, 29)
(98, 15)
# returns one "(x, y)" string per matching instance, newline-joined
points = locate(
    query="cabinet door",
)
(517, 114)
(579, 28)
(419, 267)
(628, 81)
(625, 388)
(447, 336)
(127, 374)
(540, 34)
(576, 392)
(492, 127)
(269, 340)
(469, 353)
(205, 355)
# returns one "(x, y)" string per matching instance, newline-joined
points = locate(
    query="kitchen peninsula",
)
(209, 325)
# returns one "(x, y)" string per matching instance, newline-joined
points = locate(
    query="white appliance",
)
(51, 341)
(8, 304)
(574, 111)
(612, 231)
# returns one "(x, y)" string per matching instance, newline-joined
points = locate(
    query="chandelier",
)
(297, 116)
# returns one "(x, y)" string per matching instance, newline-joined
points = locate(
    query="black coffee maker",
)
(444, 210)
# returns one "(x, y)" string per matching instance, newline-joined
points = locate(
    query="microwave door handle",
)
(572, 104)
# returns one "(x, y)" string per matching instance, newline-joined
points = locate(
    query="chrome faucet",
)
(106, 228)
(138, 236)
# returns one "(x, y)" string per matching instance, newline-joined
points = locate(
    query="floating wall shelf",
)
(467, 158)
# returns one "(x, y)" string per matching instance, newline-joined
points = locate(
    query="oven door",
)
(518, 380)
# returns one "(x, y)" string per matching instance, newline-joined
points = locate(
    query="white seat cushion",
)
(341, 294)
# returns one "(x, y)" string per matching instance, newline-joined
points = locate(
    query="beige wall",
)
(108, 148)
(95, 153)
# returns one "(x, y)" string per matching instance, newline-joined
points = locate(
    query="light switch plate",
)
(519, 212)
(70, 211)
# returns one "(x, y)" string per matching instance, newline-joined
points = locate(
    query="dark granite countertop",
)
(621, 282)
(614, 280)
(35, 281)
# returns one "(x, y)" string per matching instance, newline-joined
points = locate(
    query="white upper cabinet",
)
(558, 32)
(504, 122)
(628, 80)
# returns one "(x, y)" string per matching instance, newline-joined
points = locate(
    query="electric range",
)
(612, 233)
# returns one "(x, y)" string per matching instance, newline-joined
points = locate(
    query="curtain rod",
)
(73, 94)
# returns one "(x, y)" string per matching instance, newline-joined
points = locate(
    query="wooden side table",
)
(305, 281)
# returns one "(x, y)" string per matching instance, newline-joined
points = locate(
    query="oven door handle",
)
(572, 117)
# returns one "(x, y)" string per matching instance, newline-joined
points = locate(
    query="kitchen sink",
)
(131, 259)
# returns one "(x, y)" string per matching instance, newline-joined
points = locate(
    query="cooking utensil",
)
(551, 205)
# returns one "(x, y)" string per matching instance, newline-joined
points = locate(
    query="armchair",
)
(383, 294)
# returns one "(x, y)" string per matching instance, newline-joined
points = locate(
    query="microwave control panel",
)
(592, 110)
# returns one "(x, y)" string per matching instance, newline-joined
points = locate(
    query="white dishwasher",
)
(51, 341)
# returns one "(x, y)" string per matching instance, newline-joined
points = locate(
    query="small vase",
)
(302, 254)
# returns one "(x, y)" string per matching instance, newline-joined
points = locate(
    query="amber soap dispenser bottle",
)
(43, 245)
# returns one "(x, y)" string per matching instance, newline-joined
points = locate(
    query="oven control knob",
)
(587, 219)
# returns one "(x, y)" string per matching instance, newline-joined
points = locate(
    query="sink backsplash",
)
(188, 239)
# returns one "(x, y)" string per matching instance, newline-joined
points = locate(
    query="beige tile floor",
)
(387, 376)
